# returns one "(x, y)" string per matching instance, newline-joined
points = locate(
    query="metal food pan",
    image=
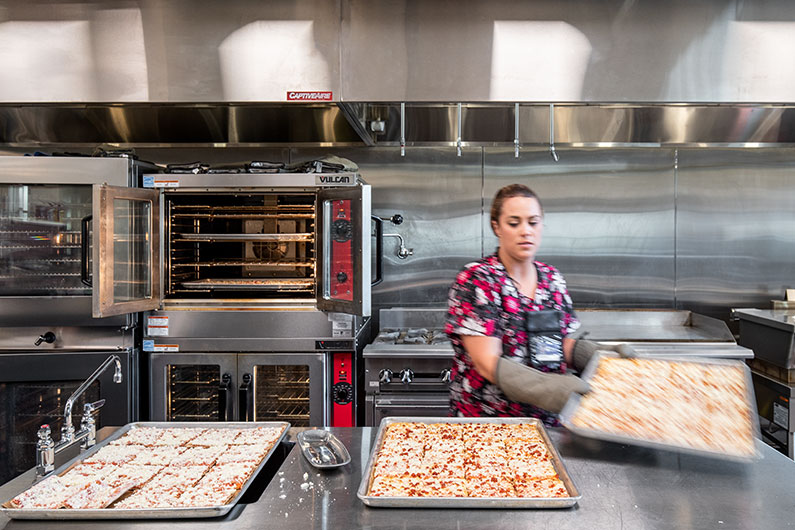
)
(148, 513)
(466, 502)
(570, 409)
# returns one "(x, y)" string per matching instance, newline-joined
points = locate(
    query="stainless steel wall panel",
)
(609, 51)
(398, 50)
(439, 196)
(735, 228)
(609, 219)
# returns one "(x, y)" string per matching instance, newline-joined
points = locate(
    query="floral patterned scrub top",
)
(484, 301)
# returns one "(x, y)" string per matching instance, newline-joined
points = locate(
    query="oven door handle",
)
(246, 395)
(84, 249)
(379, 250)
(225, 409)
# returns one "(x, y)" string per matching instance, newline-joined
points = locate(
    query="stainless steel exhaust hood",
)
(421, 124)
(160, 125)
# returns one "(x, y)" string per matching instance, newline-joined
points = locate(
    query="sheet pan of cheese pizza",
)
(155, 470)
(465, 463)
(697, 406)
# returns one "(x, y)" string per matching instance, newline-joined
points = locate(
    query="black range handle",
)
(246, 395)
(379, 250)
(225, 410)
(84, 249)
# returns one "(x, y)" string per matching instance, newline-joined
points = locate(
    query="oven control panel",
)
(341, 281)
(342, 410)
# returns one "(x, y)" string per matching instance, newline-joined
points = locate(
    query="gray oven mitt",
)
(584, 350)
(528, 385)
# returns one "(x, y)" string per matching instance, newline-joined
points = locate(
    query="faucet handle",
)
(44, 433)
(88, 408)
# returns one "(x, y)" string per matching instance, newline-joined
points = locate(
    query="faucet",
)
(46, 449)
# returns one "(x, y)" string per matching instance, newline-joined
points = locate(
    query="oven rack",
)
(251, 284)
(243, 216)
(38, 275)
(279, 238)
(248, 263)
(246, 208)
(43, 245)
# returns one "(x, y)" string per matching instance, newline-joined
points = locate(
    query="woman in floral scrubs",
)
(489, 304)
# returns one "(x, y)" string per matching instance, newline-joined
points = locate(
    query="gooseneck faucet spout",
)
(68, 430)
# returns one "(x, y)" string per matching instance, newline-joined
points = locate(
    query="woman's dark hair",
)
(512, 190)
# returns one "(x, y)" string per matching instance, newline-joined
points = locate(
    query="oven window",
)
(193, 392)
(24, 407)
(40, 234)
(282, 393)
(131, 250)
(242, 245)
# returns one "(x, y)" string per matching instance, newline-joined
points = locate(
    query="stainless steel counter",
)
(622, 487)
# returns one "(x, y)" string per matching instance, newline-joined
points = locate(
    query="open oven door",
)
(126, 250)
(343, 242)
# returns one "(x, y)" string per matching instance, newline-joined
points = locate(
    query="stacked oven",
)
(49, 279)
(265, 295)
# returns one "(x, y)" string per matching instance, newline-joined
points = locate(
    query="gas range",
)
(407, 366)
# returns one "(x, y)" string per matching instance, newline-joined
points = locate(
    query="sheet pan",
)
(466, 502)
(148, 513)
(570, 409)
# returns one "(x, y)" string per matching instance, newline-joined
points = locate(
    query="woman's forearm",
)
(568, 350)
(485, 353)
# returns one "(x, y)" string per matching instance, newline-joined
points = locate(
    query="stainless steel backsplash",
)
(698, 229)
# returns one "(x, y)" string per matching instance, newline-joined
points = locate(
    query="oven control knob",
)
(341, 277)
(444, 376)
(406, 375)
(341, 230)
(343, 393)
(385, 376)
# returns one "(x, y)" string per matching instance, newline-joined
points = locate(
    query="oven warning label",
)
(157, 326)
(781, 414)
(341, 325)
(150, 346)
(150, 181)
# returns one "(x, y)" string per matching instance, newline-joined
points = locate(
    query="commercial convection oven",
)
(265, 294)
(49, 282)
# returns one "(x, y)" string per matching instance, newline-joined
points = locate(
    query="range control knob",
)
(406, 375)
(444, 376)
(341, 277)
(385, 376)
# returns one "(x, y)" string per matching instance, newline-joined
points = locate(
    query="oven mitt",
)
(528, 385)
(584, 350)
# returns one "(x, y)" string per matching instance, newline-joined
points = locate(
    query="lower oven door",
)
(414, 404)
(193, 387)
(286, 386)
(34, 388)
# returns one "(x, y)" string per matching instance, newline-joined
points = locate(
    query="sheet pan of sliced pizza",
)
(155, 470)
(696, 406)
(465, 463)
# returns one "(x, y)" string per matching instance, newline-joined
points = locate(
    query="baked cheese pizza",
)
(154, 467)
(687, 404)
(464, 460)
